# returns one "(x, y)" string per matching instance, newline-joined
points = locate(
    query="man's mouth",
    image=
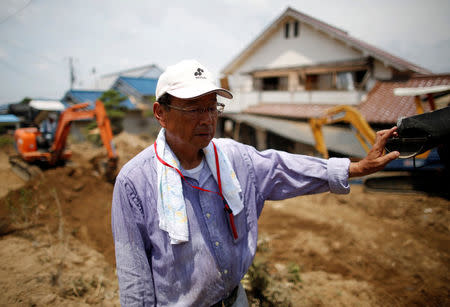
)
(203, 134)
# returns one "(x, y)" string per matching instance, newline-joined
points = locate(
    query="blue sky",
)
(37, 38)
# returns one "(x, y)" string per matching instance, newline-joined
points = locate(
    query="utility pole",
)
(94, 71)
(72, 73)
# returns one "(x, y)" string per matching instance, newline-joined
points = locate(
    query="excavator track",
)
(421, 182)
(24, 170)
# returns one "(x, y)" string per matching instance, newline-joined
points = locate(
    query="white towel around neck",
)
(171, 204)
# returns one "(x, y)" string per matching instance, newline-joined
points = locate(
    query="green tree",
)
(26, 100)
(112, 99)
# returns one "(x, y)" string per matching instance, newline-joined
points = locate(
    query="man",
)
(185, 210)
(48, 129)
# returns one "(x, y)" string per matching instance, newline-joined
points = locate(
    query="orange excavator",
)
(30, 153)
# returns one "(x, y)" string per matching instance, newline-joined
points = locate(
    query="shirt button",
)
(208, 215)
(217, 243)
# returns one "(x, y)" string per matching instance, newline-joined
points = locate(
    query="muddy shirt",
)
(153, 272)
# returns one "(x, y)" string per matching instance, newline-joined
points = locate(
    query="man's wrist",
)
(354, 170)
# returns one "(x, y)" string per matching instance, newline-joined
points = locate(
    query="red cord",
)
(219, 182)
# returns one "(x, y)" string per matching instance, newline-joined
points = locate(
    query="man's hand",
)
(375, 160)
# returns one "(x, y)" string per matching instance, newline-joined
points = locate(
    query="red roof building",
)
(383, 107)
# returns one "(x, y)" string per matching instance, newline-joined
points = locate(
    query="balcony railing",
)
(243, 100)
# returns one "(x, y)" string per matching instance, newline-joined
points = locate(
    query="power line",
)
(26, 74)
(15, 69)
(15, 14)
(15, 45)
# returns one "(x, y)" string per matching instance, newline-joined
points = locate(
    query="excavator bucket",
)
(106, 168)
(110, 170)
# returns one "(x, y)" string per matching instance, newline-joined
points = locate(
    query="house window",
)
(311, 82)
(326, 82)
(320, 82)
(296, 29)
(360, 78)
(351, 80)
(344, 81)
(272, 84)
(286, 30)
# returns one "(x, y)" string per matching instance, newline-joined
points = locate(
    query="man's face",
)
(189, 127)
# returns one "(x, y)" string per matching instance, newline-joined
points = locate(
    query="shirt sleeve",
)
(133, 268)
(281, 175)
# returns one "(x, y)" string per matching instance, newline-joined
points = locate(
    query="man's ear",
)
(159, 112)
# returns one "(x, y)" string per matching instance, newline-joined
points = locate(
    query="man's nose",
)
(206, 117)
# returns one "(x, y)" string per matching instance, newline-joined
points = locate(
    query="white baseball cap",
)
(188, 79)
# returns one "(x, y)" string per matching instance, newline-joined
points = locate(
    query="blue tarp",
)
(9, 119)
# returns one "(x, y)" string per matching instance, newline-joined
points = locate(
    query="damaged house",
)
(297, 68)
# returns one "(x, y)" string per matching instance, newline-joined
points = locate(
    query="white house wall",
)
(309, 48)
(381, 72)
(240, 82)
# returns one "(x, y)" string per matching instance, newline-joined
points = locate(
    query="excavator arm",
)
(347, 114)
(79, 112)
(106, 135)
(76, 112)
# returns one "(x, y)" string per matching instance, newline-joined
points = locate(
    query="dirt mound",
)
(368, 249)
(39, 270)
(56, 242)
(10, 181)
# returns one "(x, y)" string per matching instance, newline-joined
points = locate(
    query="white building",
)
(298, 59)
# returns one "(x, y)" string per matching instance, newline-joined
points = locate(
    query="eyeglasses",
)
(212, 110)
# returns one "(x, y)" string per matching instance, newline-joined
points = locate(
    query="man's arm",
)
(133, 268)
(280, 175)
(375, 159)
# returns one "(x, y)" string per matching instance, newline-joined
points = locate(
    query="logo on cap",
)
(198, 74)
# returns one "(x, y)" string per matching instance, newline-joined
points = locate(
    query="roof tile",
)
(383, 107)
(380, 107)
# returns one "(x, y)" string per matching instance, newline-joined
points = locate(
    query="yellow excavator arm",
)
(346, 114)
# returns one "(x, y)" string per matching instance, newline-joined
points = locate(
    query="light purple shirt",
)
(153, 272)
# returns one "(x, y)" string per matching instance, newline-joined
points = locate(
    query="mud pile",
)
(368, 249)
(56, 243)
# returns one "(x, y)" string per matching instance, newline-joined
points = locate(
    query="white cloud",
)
(3, 53)
(42, 66)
